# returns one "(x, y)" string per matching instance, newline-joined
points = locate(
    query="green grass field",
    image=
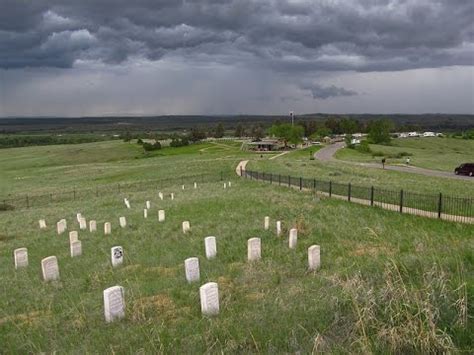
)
(388, 282)
(431, 153)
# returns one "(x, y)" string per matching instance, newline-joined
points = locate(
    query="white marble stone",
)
(266, 223)
(92, 226)
(254, 249)
(76, 248)
(73, 236)
(182, 187)
(114, 303)
(61, 226)
(210, 246)
(107, 228)
(148, 204)
(209, 295)
(172, 196)
(82, 224)
(116, 255)
(42, 224)
(293, 238)
(161, 216)
(230, 184)
(278, 225)
(20, 256)
(195, 185)
(145, 213)
(225, 185)
(127, 203)
(78, 217)
(50, 268)
(314, 255)
(191, 269)
(186, 227)
(123, 222)
(160, 195)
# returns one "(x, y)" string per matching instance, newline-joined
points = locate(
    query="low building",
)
(267, 145)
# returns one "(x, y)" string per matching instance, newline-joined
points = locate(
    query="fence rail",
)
(37, 200)
(458, 209)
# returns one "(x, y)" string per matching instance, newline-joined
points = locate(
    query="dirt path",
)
(327, 154)
(241, 167)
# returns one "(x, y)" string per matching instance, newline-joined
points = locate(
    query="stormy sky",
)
(146, 57)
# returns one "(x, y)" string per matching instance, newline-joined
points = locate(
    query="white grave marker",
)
(123, 222)
(225, 185)
(266, 223)
(92, 226)
(148, 204)
(127, 202)
(211, 247)
(209, 295)
(42, 224)
(107, 228)
(160, 195)
(82, 223)
(114, 303)
(61, 226)
(186, 227)
(293, 238)
(278, 228)
(21, 257)
(161, 215)
(78, 217)
(116, 254)
(314, 257)
(50, 269)
(172, 196)
(195, 185)
(73, 236)
(182, 187)
(191, 269)
(145, 213)
(76, 248)
(230, 184)
(254, 249)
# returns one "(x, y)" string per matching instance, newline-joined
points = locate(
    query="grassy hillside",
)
(387, 283)
(431, 153)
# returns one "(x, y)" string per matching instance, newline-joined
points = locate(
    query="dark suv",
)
(465, 169)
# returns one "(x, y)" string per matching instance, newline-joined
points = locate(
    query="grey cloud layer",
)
(287, 36)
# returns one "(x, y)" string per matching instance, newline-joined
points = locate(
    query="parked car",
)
(465, 169)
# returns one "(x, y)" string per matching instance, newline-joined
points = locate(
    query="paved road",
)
(327, 154)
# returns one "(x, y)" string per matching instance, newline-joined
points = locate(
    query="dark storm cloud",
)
(288, 36)
(326, 92)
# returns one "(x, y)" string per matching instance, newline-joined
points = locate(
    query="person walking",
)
(383, 163)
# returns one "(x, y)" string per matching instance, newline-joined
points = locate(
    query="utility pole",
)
(292, 118)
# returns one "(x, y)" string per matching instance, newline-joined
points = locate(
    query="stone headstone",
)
(278, 224)
(92, 226)
(314, 255)
(20, 256)
(254, 249)
(230, 184)
(73, 236)
(76, 248)
(211, 247)
(195, 185)
(61, 226)
(148, 204)
(82, 224)
(191, 269)
(78, 217)
(116, 255)
(145, 213)
(209, 295)
(160, 195)
(107, 228)
(161, 215)
(186, 227)
(114, 303)
(172, 196)
(50, 268)
(42, 224)
(182, 187)
(127, 203)
(225, 185)
(266, 223)
(123, 222)
(293, 238)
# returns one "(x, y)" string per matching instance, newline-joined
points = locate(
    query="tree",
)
(197, 134)
(257, 132)
(379, 131)
(127, 136)
(287, 133)
(349, 126)
(219, 131)
(239, 130)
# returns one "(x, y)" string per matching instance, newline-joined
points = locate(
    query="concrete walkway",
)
(327, 154)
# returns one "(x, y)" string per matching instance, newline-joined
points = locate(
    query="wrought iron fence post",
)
(330, 188)
(371, 195)
(222, 178)
(241, 171)
(301, 183)
(401, 201)
(279, 179)
(289, 181)
(440, 204)
(349, 190)
(271, 178)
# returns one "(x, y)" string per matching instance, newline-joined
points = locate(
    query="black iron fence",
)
(436, 205)
(36, 200)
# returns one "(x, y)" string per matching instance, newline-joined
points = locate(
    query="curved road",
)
(327, 154)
